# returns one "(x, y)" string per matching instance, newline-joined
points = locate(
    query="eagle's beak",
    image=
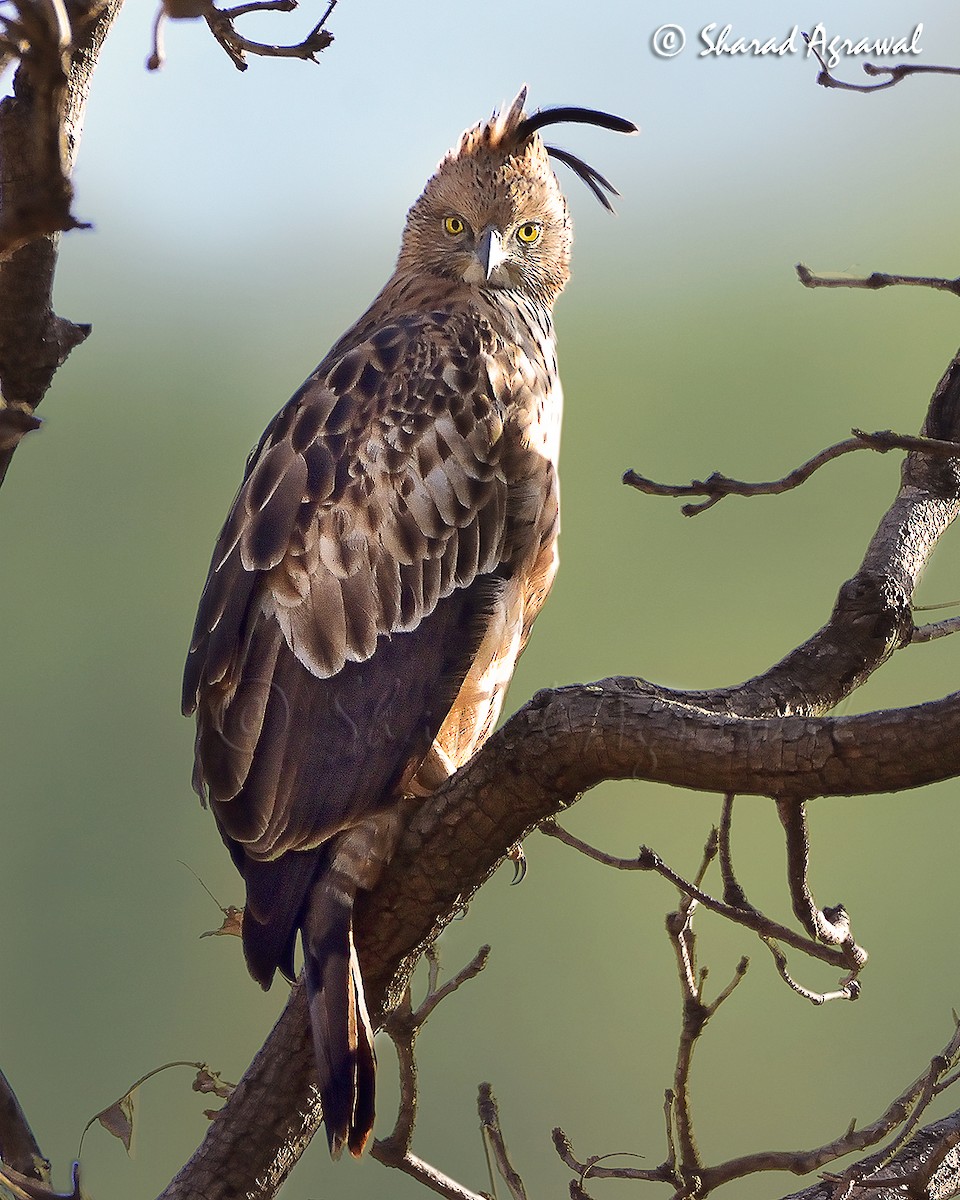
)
(490, 252)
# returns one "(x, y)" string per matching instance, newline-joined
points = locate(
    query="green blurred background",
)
(241, 223)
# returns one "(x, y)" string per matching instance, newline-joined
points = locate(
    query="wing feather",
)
(376, 492)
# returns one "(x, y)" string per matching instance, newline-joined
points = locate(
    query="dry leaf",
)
(210, 1081)
(232, 924)
(118, 1118)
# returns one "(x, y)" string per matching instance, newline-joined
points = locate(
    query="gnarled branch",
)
(759, 738)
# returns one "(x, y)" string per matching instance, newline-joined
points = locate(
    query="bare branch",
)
(908, 1165)
(402, 1025)
(876, 280)
(733, 893)
(839, 955)
(894, 74)
(38, 145)
(495, 1144)
(829, 925)
(939, 629)
(429, 1176)
(849, 991)
(717, 486)
(221, 23)
(593, 1168)
(731, 740)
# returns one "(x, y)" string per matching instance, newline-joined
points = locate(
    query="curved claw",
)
(519, 860)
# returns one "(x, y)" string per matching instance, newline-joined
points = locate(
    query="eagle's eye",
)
(454, 226)
(529, 232)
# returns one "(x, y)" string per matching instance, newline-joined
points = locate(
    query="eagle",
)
(376, 579)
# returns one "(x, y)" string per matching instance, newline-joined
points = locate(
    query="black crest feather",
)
(577, 116)
(592, 178)
(573, 116)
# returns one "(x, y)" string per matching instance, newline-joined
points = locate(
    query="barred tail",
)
(342, 1035)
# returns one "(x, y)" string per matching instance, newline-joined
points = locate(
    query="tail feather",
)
(342, 1034)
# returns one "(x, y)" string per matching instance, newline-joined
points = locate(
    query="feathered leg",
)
(342, 1031)
(342, 1035)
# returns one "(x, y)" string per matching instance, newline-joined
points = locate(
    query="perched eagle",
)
(393, 539)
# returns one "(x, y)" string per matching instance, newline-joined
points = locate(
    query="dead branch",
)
(939, 629)
(498, 1156)
(402, 1026)
(926, 1168)
(733, 893)
(844, 956)
(849, 991)
(691, 1177)
(683, 1166)
(717, 486)
(40, 128)
(894, 74)
(876, 281)
(222, 24)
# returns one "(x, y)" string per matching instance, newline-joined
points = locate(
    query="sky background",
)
(241, 223)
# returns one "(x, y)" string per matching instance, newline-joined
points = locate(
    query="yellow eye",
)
(454, 226)
(528, 232)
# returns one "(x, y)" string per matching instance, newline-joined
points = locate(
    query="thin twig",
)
(733, 893)
(876, 280)
(938, 629)
(849, 991)
(717, 486)
(895, 74)
(494, 1142)
(435, 994)
(591, 1168)
(648, 860)
(236, 46)
(402, 1026)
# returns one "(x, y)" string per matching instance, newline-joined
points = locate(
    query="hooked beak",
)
(488, 255)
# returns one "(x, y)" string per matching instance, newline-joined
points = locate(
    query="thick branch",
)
(911, 1160)
(872, 616)
(34, 341)
(558, 746)
(566, 741)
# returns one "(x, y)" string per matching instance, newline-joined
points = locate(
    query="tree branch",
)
(18, 1146)
(36, 195)
(876, 281)
(717, 486)
(755, 739)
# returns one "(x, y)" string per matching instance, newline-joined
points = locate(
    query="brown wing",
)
(374, 507)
